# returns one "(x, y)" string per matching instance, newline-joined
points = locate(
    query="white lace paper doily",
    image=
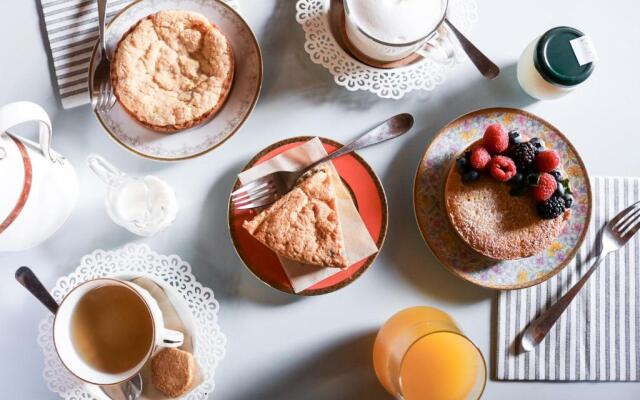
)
(172, 272)
(354, 75)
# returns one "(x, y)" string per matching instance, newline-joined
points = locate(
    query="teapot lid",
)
(15, 179)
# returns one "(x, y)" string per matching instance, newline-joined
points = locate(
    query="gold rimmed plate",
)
(368, 196)
(440, 236)
(229, 119)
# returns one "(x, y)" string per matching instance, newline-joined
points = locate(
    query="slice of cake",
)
(303, 225)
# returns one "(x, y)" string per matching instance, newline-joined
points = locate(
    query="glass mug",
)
(76, 364)
(421, 354)
(437, 44)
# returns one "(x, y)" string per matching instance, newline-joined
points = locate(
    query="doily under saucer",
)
(185, 292)
(324, 49)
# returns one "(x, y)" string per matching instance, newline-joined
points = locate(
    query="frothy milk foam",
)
(396, 21)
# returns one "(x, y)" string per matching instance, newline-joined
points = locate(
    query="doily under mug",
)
(170, 272)
(324, 49)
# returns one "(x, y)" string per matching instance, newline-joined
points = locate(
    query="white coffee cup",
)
(66, 350)
(370, 28)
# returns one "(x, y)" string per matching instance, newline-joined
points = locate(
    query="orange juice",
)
(421, 354)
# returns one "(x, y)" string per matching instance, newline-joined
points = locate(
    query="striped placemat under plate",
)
(598, 337)
(72, 30)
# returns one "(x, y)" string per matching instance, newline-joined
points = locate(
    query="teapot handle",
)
(20, 112)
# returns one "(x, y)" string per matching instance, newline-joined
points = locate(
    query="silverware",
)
(131, 389)
(613, 236)
(269, 188)
(486, 67)
(102, 96)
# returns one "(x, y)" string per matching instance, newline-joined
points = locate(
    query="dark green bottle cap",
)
(555, 60)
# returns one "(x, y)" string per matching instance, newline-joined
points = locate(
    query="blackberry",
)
(552, 208)
(523, 154)
(568, 200)
(537, 144)
(515, 137)
(470, 176)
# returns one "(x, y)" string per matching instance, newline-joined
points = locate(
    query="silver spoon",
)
(486, 67)
(131, 389)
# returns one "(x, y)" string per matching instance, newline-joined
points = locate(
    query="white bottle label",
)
(584, 50)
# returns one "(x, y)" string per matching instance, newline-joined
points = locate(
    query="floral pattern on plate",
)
(210, 134)
(440, 235)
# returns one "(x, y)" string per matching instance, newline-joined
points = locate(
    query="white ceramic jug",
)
(39, 186)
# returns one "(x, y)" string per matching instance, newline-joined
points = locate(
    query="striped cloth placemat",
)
(598, 337)
(72, 30)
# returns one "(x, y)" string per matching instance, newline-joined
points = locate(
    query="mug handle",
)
(441, 47)
(106, 171)
(19, 112)
(171, 338)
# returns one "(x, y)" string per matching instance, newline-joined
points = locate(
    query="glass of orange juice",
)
(421, 354)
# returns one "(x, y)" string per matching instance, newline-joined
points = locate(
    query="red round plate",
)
(370, 201)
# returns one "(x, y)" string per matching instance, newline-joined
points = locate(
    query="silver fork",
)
(269, 188)
(102, 95)
(615, 234)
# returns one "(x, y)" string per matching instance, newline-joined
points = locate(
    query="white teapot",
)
(39, 186)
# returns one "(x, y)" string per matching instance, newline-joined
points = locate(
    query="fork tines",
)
(257, 193)
(627, 222)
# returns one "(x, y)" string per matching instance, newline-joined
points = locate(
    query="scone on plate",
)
(506, 196)
(172, 70)
(303, 225)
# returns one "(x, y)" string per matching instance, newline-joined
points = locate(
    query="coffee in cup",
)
(105, 330)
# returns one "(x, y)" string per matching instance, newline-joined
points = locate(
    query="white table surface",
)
(286, 347)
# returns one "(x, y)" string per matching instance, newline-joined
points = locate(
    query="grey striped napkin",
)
(598, 337)
(72, 29)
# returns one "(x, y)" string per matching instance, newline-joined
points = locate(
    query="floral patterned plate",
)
(208, 135)
(437, 232)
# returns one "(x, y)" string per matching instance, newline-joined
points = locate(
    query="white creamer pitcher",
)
(39, 187)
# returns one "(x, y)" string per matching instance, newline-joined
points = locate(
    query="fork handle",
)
(102, 12)
(538, 329)
(389, 129)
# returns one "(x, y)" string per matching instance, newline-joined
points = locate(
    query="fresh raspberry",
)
(495, 139)
(544, 189)
(547, 161)
(502, 168)
(480, 158)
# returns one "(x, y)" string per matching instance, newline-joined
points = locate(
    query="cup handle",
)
(104, 169)
(440, 48)
(171, 338)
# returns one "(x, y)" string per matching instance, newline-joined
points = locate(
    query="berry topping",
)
(532, 179)
(470, 176)
(568, 200)
(545, 188)
(518, 179)
(502, 168)
(556, 174)
(538, 144)
(495, 139)
(523, 155)
(515, 137)
(462, 164)
(547, 161)
(552, 208)
(479, 158)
